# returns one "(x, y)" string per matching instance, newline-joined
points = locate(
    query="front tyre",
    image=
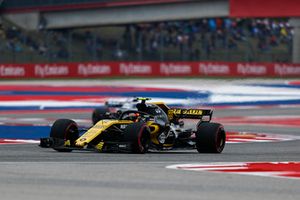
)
(138, 134)
(64, 130)
(210, 138)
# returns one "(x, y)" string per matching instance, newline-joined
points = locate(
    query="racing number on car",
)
(123, 126)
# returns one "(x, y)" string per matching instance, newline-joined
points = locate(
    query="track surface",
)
(30, 172)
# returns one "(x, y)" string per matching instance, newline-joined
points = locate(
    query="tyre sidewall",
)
(138, 134)
(63, 130)
(210, 138)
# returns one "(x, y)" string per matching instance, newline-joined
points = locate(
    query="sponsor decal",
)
(148, 68)
(269, 169)
(210, 68)
(122, 145)
(93, 69)
(284, 69)
(123, 126)
(251, 69)
(192, 112)
(185, 111)
(135, 68)
(12, 71)
(51, 70)
(171, 68)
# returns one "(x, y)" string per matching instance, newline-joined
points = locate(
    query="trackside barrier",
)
(148, 69)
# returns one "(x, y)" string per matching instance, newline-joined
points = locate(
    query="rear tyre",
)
(63, 130)
(210, 138)
(138, 134)
(99, 114)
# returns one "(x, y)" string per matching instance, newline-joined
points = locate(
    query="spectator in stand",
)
(43, 49)
(212, 25)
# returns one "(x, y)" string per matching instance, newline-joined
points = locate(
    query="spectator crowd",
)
(190, 40)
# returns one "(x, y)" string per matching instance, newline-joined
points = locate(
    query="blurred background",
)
(49, 31)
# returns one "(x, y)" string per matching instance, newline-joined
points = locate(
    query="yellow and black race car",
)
(152, 126)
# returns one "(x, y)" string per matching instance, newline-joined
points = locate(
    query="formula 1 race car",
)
(152, 126)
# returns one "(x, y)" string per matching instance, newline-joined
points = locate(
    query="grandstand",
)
(200, 38)
(230, 40)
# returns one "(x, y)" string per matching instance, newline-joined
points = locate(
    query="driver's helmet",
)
(142, 107)
(133, 117)
(157, 113)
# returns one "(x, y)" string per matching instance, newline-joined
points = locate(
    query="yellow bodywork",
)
(155, 130)
(97, 129)
(102, 125)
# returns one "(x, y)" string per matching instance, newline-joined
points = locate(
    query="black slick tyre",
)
(138, 134)
(61, 131)
(210, 138)
(99, 114)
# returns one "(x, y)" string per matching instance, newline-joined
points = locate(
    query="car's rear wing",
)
(179, 113)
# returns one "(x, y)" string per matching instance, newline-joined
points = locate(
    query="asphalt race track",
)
(30, 172)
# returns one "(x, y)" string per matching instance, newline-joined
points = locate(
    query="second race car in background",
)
(113, 108)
